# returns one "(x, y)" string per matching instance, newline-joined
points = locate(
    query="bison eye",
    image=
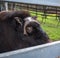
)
(29, 29)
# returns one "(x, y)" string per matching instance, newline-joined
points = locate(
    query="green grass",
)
(50, 27)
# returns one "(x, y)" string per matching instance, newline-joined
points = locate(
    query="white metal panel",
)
(49, 50)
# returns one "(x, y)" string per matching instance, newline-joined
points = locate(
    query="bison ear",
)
(34, 17)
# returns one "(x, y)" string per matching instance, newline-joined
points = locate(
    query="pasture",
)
(50, 26)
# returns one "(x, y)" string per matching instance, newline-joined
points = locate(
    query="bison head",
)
(32, 29)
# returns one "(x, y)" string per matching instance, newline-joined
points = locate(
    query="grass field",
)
(50, 27)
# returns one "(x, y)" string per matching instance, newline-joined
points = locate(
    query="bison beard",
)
(12, 33)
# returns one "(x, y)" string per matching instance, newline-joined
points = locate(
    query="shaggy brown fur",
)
(11, 32)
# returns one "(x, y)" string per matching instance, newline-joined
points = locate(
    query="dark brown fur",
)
(11, 33)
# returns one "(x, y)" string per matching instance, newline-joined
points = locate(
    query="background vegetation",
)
(50, 26)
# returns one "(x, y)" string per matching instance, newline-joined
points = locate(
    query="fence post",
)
(6, 6)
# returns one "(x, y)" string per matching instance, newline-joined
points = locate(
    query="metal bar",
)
(49, 50)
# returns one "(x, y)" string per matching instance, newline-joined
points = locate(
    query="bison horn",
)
(18, 20)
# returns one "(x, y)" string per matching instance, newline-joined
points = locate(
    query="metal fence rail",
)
(49, 50)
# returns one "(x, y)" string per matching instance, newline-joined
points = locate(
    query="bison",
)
(18, 29)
